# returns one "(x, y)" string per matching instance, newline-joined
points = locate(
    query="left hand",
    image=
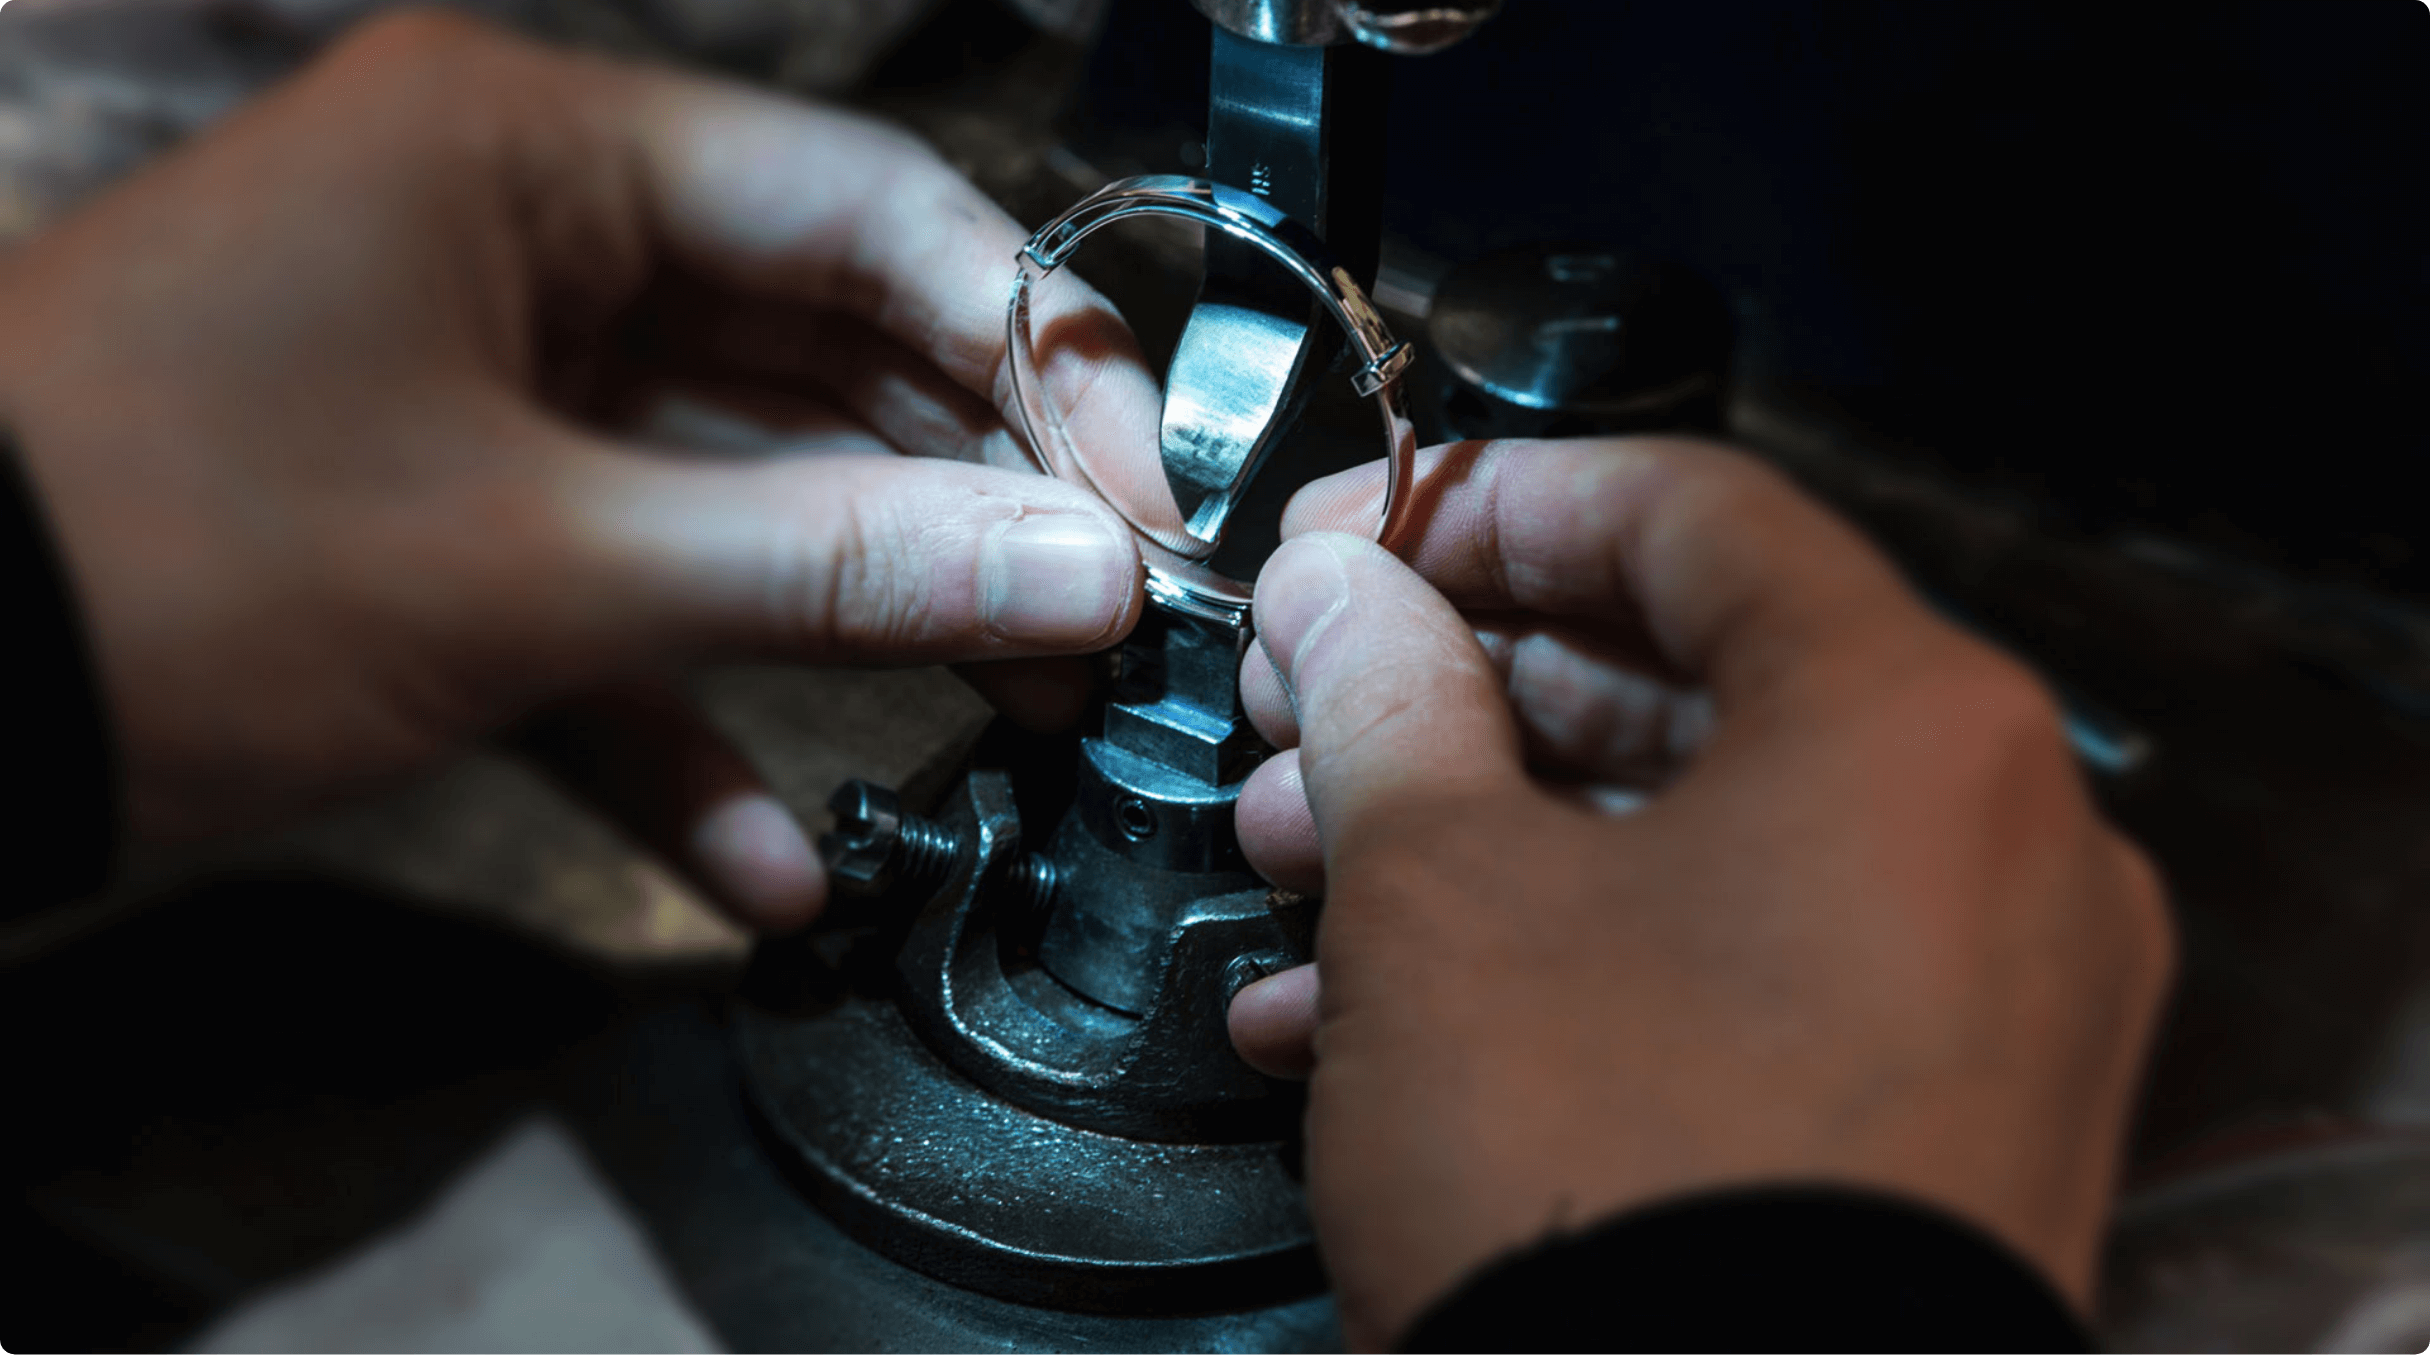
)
(322, 408)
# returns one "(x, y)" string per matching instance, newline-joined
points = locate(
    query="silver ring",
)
(1186, 585)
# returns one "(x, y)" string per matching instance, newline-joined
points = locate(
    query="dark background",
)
(2117, 272)
(2159, 268)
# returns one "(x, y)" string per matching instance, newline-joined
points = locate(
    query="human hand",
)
(1672, 845)
(323, 409)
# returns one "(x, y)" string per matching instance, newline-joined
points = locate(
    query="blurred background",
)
(2113, 326)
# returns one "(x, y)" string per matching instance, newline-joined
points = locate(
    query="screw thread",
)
(1033, 887)
(924, 854)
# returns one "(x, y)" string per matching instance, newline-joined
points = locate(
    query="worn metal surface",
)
(1028, 1091)
(660, 1106)
(964, 1113)
(935, 1172)
(970, 984)
(1032, 1094)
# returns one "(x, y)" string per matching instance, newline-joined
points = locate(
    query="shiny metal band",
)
(1396, 26)
(1248, 218)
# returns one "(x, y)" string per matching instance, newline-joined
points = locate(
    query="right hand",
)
(1670, 843)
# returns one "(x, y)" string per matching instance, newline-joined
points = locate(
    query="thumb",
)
(861, 559)
(1397, 704)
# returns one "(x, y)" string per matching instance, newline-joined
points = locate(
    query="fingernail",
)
(1300, 591)
(1058, 580)
(754, 850)
(1273, 1022)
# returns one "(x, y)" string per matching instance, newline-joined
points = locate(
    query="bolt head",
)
(856, 865)
(864, 808)
(860, 853)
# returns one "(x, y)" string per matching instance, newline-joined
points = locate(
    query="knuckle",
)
(423, 83)
(872, 595)
(807, 549)
(1992, 697)
(2153, 935)
(417, 38)
(1720, 484)
(1971, 726)
(457, 72)
(851, 563)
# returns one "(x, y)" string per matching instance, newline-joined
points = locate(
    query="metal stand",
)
(1009, 1068)
(1012, 1072)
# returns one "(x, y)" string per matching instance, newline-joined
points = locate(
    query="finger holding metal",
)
(1401, 27)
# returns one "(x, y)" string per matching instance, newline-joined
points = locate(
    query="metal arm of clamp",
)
(1396, 26)
(1295, 117)
(1241, 374)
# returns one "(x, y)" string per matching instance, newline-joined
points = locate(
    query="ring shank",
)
(1247, 218)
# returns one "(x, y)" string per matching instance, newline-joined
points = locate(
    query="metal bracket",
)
(1299, 127)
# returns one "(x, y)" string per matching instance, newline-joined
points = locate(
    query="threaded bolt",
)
(1032, 886)
(877, 849)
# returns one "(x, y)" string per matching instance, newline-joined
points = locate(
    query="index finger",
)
(831, 208)
(609, 179)
(1734, 574)
(817, 205)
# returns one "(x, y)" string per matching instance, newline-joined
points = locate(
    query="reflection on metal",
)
(1420, 29)
(1252, 221)
(1030, 1091)
(1563, 339)
(1185, 588)
(1224, 405)
(1239, 377)
(1400, 27)
(2103, 740)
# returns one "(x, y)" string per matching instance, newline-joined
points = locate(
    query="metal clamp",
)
(1254, 221)
(1396, 26)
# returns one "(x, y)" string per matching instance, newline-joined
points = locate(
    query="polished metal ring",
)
(1244, 216)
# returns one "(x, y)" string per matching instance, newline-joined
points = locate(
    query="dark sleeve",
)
(1770, 1269)
(59, 794)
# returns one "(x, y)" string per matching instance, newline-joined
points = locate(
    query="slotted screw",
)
(877, 849)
